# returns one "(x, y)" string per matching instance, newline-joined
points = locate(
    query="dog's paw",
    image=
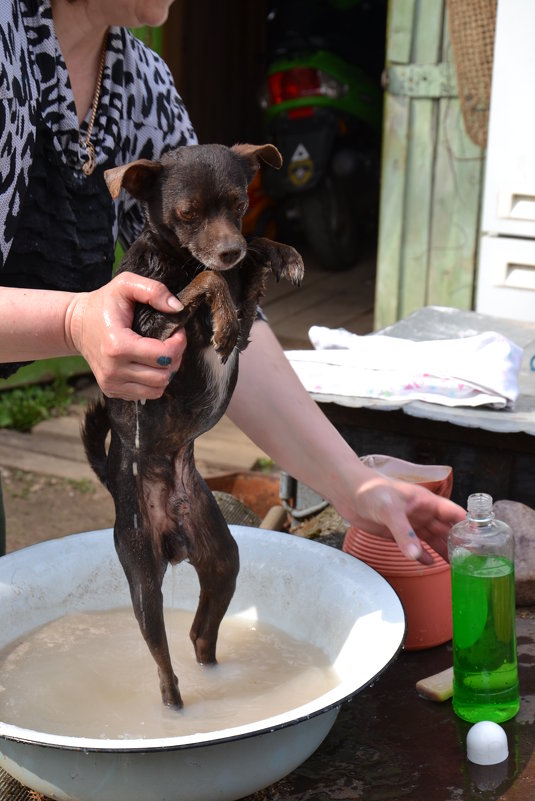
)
(293, 268)
(225, 342)
(283, 260)
(223, 351)
(169, 690)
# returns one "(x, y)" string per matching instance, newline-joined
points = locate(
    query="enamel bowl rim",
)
(330, 700)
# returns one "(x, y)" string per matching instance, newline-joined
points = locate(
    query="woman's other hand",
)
(401, 511)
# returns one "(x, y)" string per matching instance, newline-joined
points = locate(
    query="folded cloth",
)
(469, 371)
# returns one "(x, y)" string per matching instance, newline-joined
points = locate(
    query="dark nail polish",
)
(164, 361)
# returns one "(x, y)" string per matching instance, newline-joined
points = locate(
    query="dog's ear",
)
(257, 153)
(138, 178)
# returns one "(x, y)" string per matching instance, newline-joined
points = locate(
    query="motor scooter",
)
(323, 111)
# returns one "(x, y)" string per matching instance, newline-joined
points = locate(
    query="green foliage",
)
(83, 485)
(24, 407)
(264, 464)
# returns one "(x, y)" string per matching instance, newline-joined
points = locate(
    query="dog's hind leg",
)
(145, 573)
(144, 565)
(214, 555)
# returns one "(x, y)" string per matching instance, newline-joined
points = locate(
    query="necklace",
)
(89, 165)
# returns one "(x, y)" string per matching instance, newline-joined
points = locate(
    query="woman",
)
(79, 94)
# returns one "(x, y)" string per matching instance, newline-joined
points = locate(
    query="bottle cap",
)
(486, 743)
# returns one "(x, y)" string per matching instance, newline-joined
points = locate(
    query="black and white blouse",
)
(140, 114)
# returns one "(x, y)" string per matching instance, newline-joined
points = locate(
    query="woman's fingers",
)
(130, 287)
(395, 519)
(125, 364)
(153, 356)
(408, 513)
(144, 369)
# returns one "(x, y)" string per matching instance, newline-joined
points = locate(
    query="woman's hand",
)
(125, 365)
(401, 511)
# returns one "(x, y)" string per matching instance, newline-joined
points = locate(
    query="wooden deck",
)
(335, 300)
(331, 299)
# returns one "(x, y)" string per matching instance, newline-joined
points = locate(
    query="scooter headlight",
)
(331, 87)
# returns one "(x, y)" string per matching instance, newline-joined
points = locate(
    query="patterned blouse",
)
(140, 114)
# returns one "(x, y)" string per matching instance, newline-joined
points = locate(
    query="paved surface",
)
(54, 448)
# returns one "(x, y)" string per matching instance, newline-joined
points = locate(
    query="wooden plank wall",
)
(216, 52)
(432, 173)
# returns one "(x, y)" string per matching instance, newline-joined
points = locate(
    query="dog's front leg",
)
(208, 288)
(263, 257)
(213, 552)
(283, 260)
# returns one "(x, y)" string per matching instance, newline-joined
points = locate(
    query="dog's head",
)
(195, 197)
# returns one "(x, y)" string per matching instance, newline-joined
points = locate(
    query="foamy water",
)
(91, 675)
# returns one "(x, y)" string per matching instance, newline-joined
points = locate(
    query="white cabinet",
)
(506, 269)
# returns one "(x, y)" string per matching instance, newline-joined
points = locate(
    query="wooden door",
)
(431, 171)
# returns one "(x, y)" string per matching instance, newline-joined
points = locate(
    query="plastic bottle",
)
(485, 667)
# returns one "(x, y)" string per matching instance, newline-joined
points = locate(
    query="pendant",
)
(89, 165)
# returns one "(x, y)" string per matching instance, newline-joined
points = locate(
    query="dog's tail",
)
(94, 431)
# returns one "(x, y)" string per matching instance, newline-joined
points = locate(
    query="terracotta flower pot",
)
(435, 477)
(258, 491)
(424, 590)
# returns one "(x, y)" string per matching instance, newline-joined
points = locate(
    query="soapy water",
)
(484, 650)
(91, 675)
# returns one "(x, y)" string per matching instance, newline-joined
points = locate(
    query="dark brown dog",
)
(194, 199)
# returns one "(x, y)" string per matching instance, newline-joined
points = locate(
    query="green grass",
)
(24, 407)
(83, 485)
(264, 464)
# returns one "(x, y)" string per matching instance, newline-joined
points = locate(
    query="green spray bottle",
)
(485, 667)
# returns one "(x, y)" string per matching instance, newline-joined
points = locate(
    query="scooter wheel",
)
(331, 226)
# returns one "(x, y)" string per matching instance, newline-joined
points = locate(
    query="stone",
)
(521, 518)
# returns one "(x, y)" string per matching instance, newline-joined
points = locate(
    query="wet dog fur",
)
(194, 200)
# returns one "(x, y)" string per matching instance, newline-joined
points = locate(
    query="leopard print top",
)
(140, 114)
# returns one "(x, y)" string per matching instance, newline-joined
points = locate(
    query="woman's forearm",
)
(36, 324)
(33, 324)
(271, 406)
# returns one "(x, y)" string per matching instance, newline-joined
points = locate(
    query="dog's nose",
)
(231, 256)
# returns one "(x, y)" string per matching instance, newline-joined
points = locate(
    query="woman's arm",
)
(271, 406)
(37, 324)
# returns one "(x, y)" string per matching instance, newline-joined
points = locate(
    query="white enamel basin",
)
(311, 591)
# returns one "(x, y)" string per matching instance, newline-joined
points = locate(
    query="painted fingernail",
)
(174, 303)
(164, 361)
(173, 374)
(413, 551)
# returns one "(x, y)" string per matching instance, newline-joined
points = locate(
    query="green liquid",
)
(485, 685)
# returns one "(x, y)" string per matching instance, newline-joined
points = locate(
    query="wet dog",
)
(194, 199)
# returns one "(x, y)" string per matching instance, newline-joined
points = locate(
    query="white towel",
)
(470, 371)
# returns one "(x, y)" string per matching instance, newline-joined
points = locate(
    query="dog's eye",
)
(241, 208)
(186, 215)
